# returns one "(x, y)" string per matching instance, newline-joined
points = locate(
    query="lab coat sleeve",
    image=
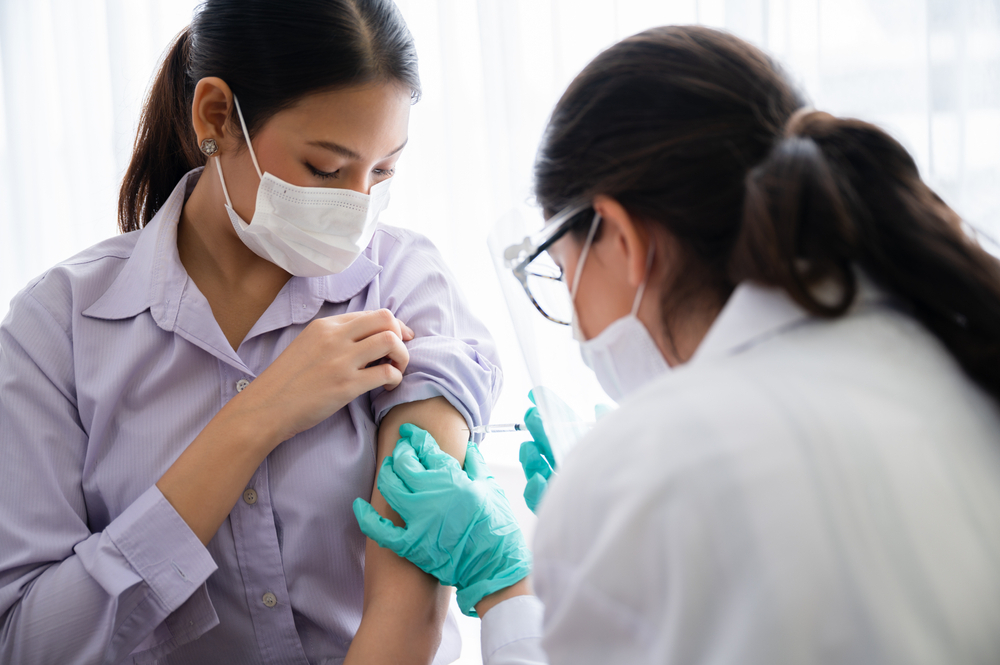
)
(453, 354)
(512, 633)
(67, 594)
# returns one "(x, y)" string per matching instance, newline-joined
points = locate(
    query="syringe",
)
(499, 428)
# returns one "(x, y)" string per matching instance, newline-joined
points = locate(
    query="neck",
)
(680, 335)
(209, 248)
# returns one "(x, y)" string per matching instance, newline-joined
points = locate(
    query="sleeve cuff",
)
(416, 390)
(161, 548)
(449, 368)
(514, 620)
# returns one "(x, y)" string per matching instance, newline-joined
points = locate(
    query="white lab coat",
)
(802, 491)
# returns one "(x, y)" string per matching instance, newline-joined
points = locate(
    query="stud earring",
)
(209, 147)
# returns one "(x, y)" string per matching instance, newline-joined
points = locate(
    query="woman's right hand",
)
(329, 364)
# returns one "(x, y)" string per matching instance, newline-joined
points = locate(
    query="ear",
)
(211, 108)
(629, 237)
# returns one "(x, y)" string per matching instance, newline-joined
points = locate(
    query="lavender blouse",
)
(111, 363)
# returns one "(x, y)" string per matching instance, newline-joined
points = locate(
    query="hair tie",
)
(798, 123)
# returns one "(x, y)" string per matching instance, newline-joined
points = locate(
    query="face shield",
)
(541, 310)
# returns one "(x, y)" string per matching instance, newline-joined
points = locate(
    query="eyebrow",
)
(347, 152)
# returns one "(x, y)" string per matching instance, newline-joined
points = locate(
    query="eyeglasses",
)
(539, 276)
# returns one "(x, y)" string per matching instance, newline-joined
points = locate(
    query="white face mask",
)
(308, 231)
(624, 356)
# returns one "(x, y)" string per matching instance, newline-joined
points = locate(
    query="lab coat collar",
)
(755, 313)
(153, 277)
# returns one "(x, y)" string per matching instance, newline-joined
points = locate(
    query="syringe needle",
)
(498, 428)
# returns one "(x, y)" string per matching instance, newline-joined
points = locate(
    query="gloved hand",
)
(459, 526)
(536, 456)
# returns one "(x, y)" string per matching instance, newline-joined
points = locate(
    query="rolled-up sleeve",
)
(68, 594)
(453, 354)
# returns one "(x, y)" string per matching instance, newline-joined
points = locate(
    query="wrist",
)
(520, 588)
(251, 424)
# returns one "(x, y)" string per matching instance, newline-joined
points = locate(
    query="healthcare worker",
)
(816, 477)
(187, 410)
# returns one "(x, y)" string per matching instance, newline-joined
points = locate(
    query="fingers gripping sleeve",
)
(453, 354)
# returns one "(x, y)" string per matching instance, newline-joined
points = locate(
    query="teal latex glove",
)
(536, 457)
(459, 526)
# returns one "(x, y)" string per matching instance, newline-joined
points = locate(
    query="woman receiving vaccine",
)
(187, 410)
(805, 467)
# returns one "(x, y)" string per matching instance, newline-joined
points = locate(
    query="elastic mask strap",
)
(246, 136)
(642, 286)
(222, 179)
(583, 256)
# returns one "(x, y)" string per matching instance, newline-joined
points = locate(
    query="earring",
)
(209, 147)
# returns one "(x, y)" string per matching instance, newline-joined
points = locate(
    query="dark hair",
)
(697, 132)
(271, 54)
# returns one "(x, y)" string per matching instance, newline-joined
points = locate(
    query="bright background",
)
(73, 74)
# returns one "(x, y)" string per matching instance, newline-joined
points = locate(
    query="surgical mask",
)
(308, 231)
(624, 356)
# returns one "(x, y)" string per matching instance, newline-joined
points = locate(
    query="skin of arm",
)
(205, 482)
(522, 588)
(404, 607)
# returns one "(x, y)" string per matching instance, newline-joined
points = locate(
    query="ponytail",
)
(165, 145)
(698, 133)
(836, 193)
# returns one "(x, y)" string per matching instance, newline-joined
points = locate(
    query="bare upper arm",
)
(404, 607)
(437, 416)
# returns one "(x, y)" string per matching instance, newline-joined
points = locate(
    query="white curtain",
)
(73, 74)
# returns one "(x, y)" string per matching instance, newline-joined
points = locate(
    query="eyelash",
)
(385, 173)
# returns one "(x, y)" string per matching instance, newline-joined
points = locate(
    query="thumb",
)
(378, 528)
(533, 460)
(475, 465)
(533, 421)
(534, 490)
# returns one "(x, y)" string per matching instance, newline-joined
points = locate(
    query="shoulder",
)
(409, 258)
(848, 388)
(73, 284)
(682, 423)
(824, 376)
(395, 237)
(394, 243)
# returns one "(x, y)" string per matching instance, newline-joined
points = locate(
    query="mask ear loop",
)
(222, 180)
(246, 137)
(645, 278)
(583, 256)
(218, 160)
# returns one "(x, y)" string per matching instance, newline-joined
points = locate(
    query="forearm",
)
(401, 624)
(107, 596)
(405, 608)
(209, 477)
(44, 625)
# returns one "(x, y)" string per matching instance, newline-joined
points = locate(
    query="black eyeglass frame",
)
(518, 257)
